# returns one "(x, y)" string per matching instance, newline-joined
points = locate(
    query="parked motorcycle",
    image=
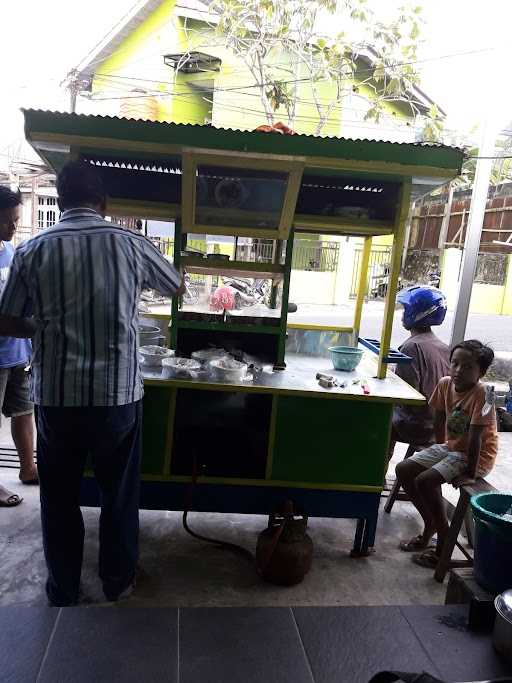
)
(434, 278)
(191, 293)
(252, 292)
(381, 282)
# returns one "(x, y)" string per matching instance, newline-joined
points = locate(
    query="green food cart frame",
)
(245, 447)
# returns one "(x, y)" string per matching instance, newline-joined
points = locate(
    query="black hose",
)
(217, 542)
(214, 541)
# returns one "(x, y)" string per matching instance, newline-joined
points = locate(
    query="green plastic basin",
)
(345, 358)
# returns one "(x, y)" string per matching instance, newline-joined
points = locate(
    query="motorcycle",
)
(380, 288)
(191, 293)
(434, 278)
(249, 292)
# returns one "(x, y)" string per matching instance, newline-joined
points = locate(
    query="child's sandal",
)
(428, 559)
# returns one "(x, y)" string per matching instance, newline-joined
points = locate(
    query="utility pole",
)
(72, 84)
(474, 229)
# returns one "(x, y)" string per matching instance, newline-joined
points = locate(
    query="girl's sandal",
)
(428, 559)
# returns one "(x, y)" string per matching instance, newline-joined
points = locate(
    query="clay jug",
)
(284, 552)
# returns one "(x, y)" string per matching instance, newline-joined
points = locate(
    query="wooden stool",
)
(395, 491)
(461, 512)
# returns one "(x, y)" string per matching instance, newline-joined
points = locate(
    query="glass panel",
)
(243, 298)
(239, 198)
(315, 342)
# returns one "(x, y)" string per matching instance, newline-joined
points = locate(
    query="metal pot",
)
(502, 635)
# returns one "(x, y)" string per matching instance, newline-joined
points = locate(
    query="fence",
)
(320, 257)
(261, 251)
(378, 271)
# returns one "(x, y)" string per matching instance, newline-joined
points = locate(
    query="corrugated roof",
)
(186, 126)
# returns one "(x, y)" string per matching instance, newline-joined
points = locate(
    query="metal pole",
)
(474, 231)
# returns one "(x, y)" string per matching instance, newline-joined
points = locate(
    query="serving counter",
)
(249, 446)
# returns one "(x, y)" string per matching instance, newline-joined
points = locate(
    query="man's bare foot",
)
(8, 499)
(29, 476)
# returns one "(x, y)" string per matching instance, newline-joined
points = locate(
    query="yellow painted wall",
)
(309, 287)
(507, 294)
(490, 299)
(487, 299)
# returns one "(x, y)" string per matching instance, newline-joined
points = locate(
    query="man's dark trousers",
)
(65, 438)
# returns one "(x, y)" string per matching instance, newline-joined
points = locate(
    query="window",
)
(47, 213)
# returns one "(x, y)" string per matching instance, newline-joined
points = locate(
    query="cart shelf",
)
(228, 326)
(364, 227)
(232, 268)
(393, 356)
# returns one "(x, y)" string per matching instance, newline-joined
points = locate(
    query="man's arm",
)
(159, 273)
(15, 302)
(23, 328)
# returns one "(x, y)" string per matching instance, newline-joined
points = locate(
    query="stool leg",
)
(392, 497)
(470, 527)
(396, 486)
(451, 539)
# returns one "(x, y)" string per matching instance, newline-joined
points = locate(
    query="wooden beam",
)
(361, 287)
(396, 261)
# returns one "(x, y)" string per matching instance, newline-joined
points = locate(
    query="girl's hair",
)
(483, 354)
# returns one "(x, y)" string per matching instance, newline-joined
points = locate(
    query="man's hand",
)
(463, 480)
(183, 288)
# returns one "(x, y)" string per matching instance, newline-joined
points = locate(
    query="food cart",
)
(244, 446)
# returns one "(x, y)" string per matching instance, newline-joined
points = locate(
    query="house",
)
(164, 62)
(36, 183)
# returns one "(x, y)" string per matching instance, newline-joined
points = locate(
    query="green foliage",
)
(280, 43)
(501, 167)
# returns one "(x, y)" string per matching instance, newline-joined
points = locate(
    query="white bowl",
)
(229, 370)
(153, 355)
(205, 356)
(180, 368)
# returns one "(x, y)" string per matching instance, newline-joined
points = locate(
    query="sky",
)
(45, 40)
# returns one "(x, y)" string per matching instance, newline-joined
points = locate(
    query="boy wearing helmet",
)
(424, 307)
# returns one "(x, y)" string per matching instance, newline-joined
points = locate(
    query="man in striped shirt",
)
(74, 289)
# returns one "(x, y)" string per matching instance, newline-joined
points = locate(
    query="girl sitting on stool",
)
(466, 448)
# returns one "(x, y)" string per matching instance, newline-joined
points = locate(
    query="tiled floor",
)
(253, 645)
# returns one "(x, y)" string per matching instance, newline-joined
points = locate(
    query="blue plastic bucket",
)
(493, 541)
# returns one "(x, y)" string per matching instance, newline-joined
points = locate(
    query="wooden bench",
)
(461, 511)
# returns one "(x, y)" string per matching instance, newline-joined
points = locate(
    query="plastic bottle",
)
(508, 398)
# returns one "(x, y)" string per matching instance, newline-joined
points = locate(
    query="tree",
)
(283, 46)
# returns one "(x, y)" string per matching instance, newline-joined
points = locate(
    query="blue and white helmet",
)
(424, 306)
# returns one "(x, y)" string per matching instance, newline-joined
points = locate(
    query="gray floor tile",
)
(253, 645)
(24, 635)
(351, 644)
(459, 654)
(113, 644)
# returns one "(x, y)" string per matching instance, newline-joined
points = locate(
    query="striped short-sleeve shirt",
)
(81, 281)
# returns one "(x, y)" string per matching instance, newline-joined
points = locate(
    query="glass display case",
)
(239, 195)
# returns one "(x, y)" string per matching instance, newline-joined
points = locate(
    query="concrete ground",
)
(178, 570)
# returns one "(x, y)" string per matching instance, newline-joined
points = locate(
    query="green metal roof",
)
(188, 135)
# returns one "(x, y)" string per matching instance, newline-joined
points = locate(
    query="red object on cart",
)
(279, 127)
(223, 299)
